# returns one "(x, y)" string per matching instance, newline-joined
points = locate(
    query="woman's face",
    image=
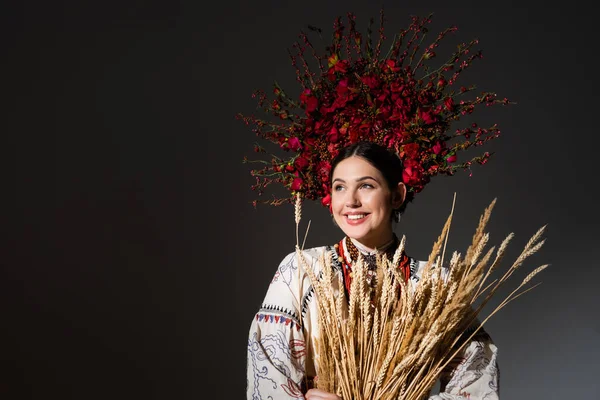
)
(362, 202)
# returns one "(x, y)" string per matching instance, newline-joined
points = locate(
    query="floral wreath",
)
(357, 94)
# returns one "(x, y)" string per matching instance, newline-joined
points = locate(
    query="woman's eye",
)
(367, 185)
(338, 188)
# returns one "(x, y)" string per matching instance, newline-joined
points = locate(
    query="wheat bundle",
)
(393, 339)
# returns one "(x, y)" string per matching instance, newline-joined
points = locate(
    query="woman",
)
(367, 196)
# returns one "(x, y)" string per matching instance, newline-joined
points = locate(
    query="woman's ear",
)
(398, 195)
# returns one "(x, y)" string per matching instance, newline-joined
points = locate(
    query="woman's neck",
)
(365, 249)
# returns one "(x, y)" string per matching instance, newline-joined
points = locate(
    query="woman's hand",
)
(317, 394)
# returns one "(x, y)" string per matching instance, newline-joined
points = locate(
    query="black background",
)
(132, 261)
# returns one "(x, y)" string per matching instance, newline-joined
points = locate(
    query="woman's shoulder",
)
(287, 286)
(309, 254)
(315, 258)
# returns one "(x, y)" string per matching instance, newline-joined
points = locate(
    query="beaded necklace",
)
(348, 254)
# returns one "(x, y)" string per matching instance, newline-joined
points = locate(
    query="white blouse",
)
(282, 333)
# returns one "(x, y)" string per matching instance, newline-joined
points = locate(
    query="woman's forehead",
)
(355, 167)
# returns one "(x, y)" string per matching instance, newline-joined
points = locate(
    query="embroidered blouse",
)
(280, 342)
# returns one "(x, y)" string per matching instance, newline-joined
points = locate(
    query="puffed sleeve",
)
(276, 345)
(473, 374)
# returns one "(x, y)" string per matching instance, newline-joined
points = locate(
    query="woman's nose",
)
(352, 199)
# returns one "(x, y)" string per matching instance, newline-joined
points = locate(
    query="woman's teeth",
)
(357, 216)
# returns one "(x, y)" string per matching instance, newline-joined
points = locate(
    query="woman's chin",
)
(356, 234)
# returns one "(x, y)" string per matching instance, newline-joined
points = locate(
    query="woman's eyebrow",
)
(362, 178)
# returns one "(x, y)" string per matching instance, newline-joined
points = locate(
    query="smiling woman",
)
(366, 193)
(369, 130)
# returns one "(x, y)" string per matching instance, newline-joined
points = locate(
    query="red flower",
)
(342, 87)
(365, 128)
(391, 65)
(426, 115)
(301, 163)
(297, 184)
(384, 112)
(304, 95)
(310, 101)
(410, 151)
(343, 95)
(323, 169)
(341, 66)
(336, 65)
(412, 173)
(397, 87)
(294, 143)
(331, 148)
(451, 158)
(370, 80)
(309, 143)
(449, 103)
(400, 111)
(311, 104)
(437, 148)
(353, 134)
(333, 135)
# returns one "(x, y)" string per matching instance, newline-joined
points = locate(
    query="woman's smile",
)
(356, 218)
